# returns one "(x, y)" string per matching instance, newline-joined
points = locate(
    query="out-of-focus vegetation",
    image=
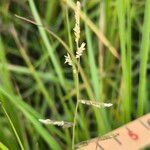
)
(35, 83)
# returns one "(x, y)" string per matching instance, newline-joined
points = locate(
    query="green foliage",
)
(36, 84)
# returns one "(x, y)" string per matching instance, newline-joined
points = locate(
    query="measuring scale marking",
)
(132, 136)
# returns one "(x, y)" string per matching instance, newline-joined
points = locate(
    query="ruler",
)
(133, 136)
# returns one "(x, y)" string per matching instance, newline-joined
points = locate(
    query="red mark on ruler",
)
(132, 135)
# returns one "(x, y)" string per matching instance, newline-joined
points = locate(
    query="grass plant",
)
(112, 67)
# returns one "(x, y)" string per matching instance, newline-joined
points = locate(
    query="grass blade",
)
(122, 32)
(3, 147)
(144, 51)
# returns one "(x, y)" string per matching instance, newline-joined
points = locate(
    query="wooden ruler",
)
(132, 136)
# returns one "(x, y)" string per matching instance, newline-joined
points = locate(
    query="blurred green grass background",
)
(35, 83)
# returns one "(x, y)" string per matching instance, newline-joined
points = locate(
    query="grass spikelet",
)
(95, 103)
(80, 50)
(77, 23)
(68, 60)
(63, 124)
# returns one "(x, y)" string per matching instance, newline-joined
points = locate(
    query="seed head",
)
(63, 124)
(68, 60)
(95, 103)
(77, 22)
(80, 50)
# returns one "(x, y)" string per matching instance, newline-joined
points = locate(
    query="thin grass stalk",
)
(129, 51)
(13, 127)
(76, 71)
(76, 110)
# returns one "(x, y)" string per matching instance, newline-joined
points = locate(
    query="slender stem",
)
(76, 110)
(77, 103)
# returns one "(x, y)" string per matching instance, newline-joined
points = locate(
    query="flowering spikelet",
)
(95, 103)
(63, 124)
(77, 22)
(68, 59)
(80, 50)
